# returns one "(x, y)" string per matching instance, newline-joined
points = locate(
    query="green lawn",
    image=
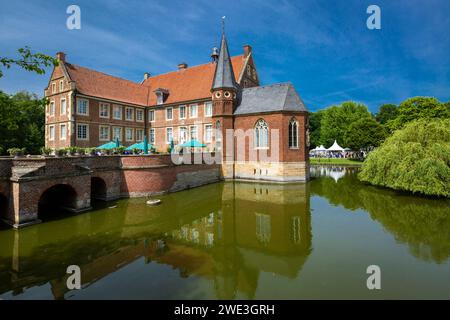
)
(335, 161)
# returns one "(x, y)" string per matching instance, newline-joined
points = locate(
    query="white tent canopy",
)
(321, 148)
(335, 147)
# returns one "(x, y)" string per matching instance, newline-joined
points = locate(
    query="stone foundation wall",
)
(272, 171)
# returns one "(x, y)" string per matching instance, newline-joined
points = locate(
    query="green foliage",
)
(337, 119)
(314, 128)
(416, 159)
(71, 150)
(35, 62)
(46, 151)
(16, 151)
(119, 150)
(419, 108)
(22, 119)
(364, 133)
(61, 152)
(387, 112)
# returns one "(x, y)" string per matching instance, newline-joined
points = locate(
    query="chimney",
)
(247, 50)
(182, 66)
(147, 75)
(61, 56)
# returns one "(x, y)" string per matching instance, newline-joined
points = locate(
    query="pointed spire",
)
(224, 75)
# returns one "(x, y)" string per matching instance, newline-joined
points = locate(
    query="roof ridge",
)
(106, 74)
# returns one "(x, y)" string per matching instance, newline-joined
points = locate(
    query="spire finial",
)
(223, 24)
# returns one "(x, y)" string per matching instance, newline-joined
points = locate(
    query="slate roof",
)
(275, 97)
(224, 75)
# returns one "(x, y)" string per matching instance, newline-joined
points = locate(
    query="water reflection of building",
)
(229, 233)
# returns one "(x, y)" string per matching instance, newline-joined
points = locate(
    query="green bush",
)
(415, 158)
(60, 152)
(16, 151)
(46, 151)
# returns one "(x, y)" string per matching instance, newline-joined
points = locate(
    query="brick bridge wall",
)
(23, 181)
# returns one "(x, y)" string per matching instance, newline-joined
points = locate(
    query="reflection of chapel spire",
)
(224, 75)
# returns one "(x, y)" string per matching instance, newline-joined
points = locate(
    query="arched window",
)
(261, 134)
(293, 134)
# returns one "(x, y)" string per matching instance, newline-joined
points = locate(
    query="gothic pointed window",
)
(293, 134)
(261, 134)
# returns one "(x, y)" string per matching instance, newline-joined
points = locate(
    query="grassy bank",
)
(336, 161)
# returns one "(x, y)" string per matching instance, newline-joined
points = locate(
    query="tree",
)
(415, 158)
(387, 112)
(314, 128)
(363, 134)
(29, 61)
(22, 118)
(419, 108)
(336, 120)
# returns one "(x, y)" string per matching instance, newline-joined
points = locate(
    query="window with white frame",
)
(151, 115)
(51, 110)
(169, 135)
(152, 136)
(63, 106)
(82, 131)
(62, 132)
(193, 133)
(139, 115)
(104, 110)
(208, 109)
(293, 134)
(129, 114)
(129, 134)
(51, 133)
(139, 134)
(182, 112)
(117, 133)
(208, 132)
(103, 133)
(53, 87)
(82, 107)
(117, 112)
(61, 86)
(169, 113)
(193, 111)
(261, 135)
(183, 134)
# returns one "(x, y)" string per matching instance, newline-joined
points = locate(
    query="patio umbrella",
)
(192, 144)
(171, 145)
(145, 145)
(117, 142)
(141, 146)
(109, 145)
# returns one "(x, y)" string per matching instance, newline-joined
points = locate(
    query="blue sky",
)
(323, 47)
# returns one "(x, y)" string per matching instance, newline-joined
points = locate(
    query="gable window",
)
(182, 112)
(51, 133)
(169, 135)
(61, 86)
(104, 110)
(139, 115)
(117, 112)
(52, 108)
(117, 133)
(139, 134)
(261, 135)
(293, 134)
(151, 115)
(193, 133)
(53, 87)
(82, 131)
(249, 70)
(104, 133)
(129, 134)
(193, 111)
(82, 107)
(169, 114)
(208, 109)
(62, 132)
(208, 132)
(129, 114)
(152, 136)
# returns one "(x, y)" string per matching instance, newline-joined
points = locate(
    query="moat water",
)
(240, 241)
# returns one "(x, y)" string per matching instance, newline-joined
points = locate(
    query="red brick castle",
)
(260, 132)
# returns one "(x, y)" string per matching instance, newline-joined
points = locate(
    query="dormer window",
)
(161, 95)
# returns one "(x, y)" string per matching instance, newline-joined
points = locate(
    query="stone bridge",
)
(33, 188)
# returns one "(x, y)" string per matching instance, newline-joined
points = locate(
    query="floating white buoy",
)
(153, 202)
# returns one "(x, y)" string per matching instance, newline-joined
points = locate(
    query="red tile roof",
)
(183, 85)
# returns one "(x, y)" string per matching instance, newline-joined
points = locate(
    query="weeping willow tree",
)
(415, 158)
